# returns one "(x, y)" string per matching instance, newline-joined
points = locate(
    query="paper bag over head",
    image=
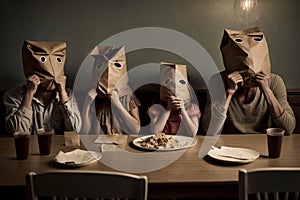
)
(109, 71)
(174, 80)
(246, 51)
(46, 59)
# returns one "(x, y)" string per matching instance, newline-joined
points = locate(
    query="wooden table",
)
(188, 177)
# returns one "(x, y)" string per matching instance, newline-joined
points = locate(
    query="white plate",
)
(183, 143)
(253, 155)
(77, 158)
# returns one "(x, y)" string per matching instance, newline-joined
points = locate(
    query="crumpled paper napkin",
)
(104, 139)
(109, 147)
(111, 142)
(233, 152)
(77, 156)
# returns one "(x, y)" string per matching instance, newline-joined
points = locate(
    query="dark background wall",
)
(84, 24)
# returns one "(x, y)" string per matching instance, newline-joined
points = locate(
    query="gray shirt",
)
(253, 117)
(60, 117)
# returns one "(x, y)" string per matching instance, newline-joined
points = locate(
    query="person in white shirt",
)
(44, 101)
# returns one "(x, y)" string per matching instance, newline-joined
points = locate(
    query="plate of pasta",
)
(164, 142)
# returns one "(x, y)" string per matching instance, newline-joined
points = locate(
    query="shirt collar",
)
(56, 99)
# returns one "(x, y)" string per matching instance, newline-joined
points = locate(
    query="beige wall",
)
(84, 24)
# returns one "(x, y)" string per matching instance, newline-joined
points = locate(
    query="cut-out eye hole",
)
(182, 82)
(257, 39)
(58, 59)
(43, 59)
(118, 65)
(98, 66)
(239, 40)
(167, 81)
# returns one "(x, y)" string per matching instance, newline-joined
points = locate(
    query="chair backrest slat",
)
(87, 184)
(270, 183)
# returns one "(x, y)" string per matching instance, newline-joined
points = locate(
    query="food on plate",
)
(160, 141)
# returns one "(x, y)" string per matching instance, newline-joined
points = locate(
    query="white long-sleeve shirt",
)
(60, 117)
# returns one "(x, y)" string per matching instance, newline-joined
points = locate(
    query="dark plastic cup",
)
(45, 141)
(274, 137)
(22, 145)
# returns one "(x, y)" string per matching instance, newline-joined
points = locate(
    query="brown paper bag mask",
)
(173, 79)
(110, 71)
(46, 60)
(246, 51)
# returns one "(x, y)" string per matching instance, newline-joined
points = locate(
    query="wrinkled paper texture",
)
(174, 79)
(246, 51)
(46, 60)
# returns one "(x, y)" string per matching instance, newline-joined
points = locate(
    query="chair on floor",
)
(86, 184)
(269, 183)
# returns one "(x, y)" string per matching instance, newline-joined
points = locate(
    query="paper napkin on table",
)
(77, 156)
(232, 152)
(109, 147)
(107, 139)
(106, 144)
(72, 138)
(111, 142)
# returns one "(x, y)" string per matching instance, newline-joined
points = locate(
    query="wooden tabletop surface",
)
(188, 176)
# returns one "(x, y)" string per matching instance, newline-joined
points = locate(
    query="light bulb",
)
(246, 11)
(246, 5)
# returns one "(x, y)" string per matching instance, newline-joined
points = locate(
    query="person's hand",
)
(114, 97)
(33, 82)
(61, 83)
(177, 103)
(92, 93)
(61, 87)
(233, 81)
(262, 80)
